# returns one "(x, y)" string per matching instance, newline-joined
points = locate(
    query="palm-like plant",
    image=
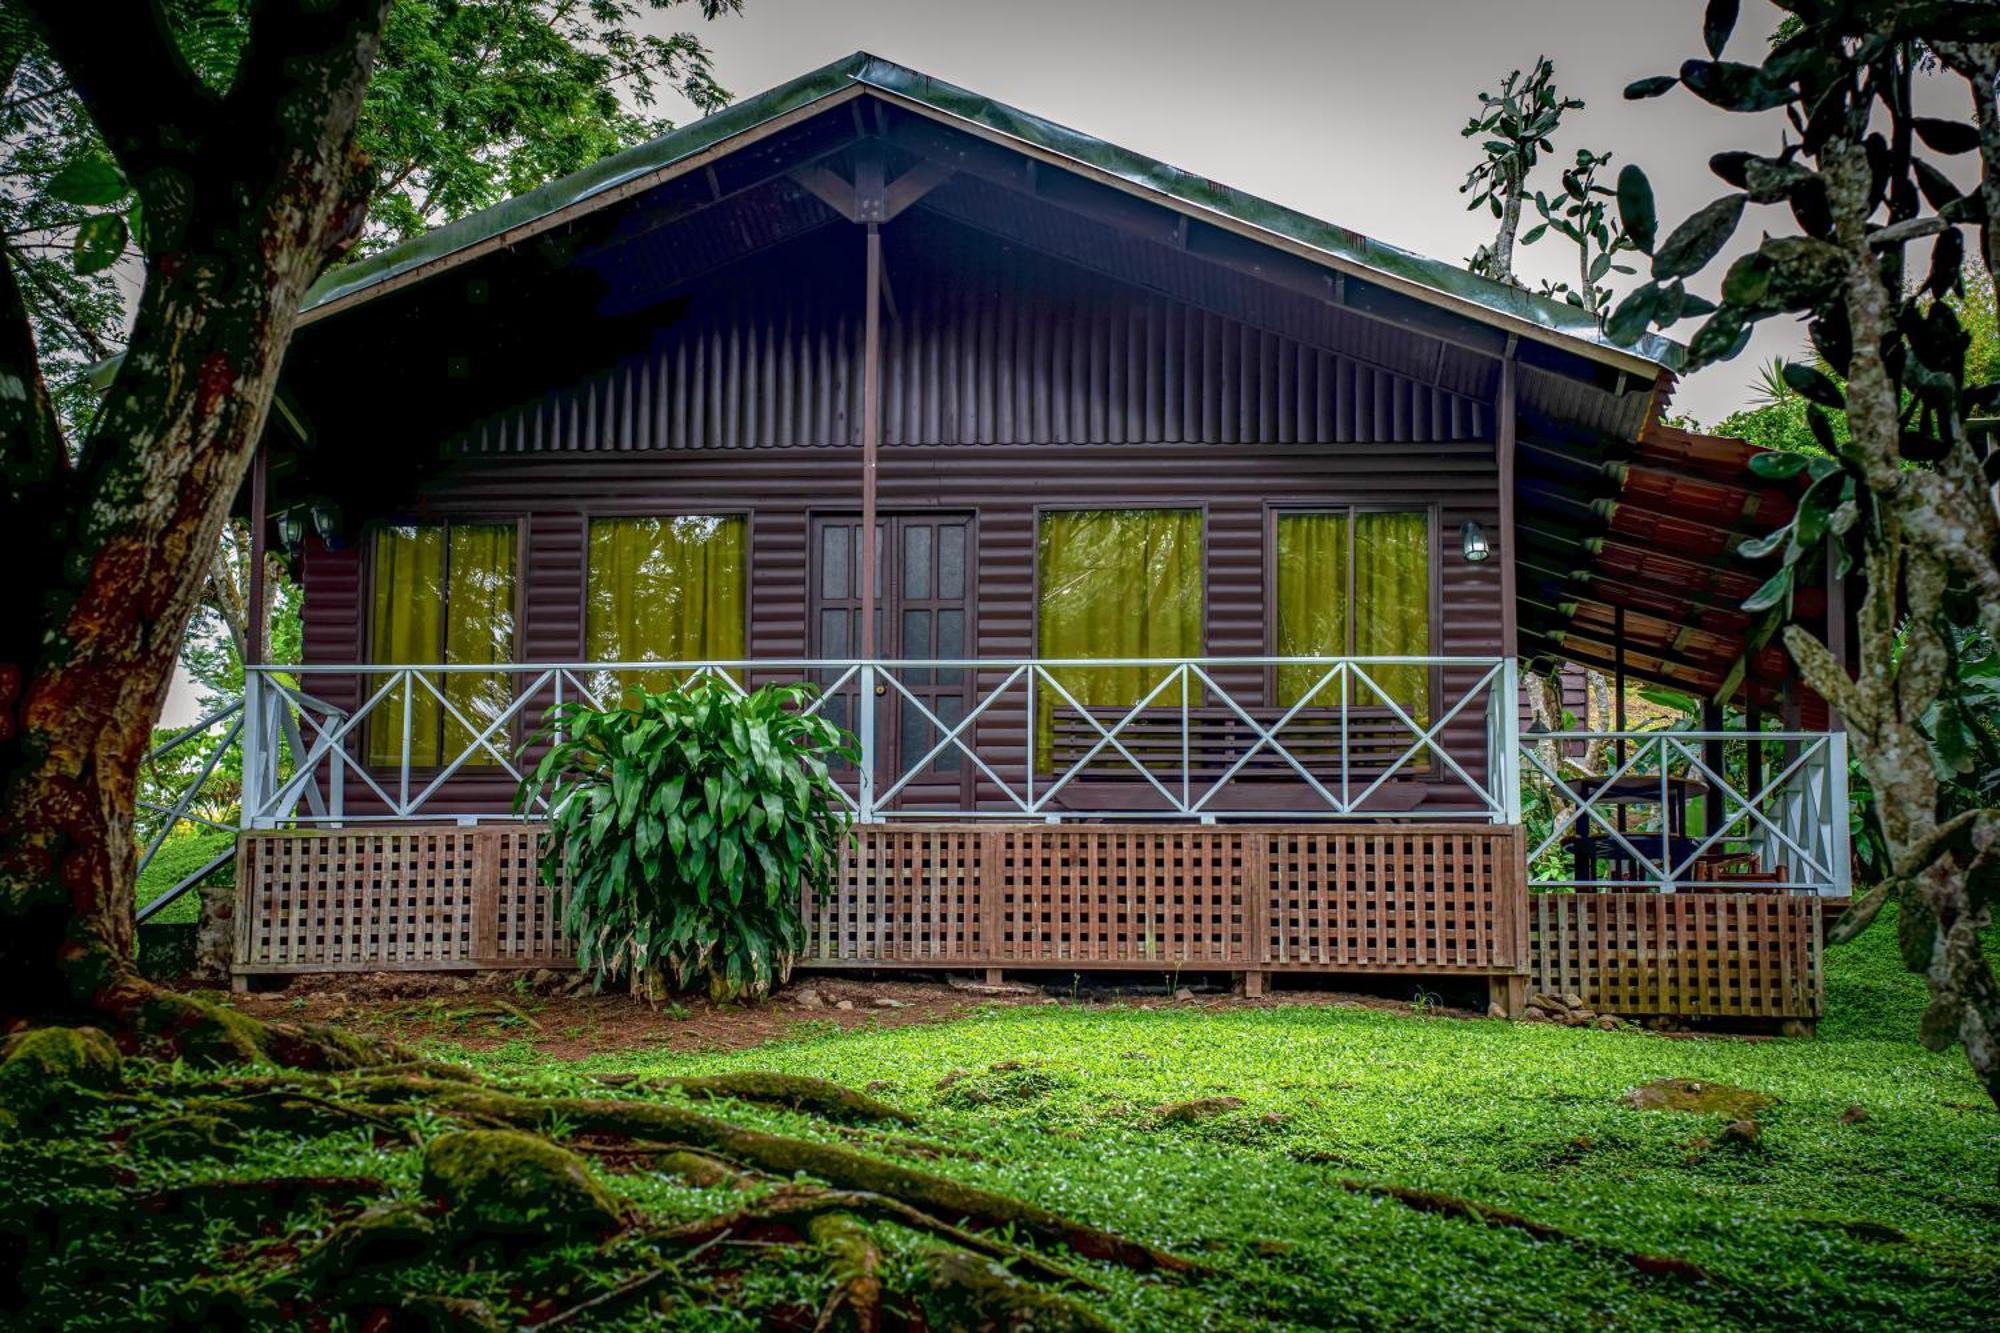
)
(686, 828)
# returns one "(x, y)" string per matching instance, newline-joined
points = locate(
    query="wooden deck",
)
(1255, 900)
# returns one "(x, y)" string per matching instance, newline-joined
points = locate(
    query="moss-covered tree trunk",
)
(246, 195)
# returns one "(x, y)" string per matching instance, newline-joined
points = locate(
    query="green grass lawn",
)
(1825, 1222)
(1894, 1220)
(177, 859)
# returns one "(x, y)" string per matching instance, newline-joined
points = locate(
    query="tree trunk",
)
(246, 198)
(1503, 240)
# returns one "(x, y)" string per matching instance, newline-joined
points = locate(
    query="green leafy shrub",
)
(686, 827)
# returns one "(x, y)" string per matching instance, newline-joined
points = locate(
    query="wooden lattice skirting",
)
(1254, 899)
(1373, 898)
(1722, 955)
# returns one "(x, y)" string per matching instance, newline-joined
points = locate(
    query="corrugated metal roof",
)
(620, 174)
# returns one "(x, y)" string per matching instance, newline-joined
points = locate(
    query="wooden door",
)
(923, 613)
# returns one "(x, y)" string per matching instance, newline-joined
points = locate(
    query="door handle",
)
(881, 690)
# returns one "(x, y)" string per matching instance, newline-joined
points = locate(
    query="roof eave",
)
(660, 160)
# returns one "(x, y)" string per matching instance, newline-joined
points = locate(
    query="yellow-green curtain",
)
(441, 595)
(478, 631)
(1116, 583)
(407, 627)
(1392, 604)
(664, 590)
(1312, 602)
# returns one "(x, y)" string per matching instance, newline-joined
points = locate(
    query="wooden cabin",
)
(1173, 554)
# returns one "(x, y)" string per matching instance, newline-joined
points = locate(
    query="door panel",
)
(923, 611)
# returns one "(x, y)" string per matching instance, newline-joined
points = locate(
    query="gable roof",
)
(638, 168)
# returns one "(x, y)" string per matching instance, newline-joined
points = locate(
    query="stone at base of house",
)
(215, 935)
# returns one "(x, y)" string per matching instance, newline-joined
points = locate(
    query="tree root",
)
(970, 1292)
(814, 1096)
(828, 1195)
(779, 1155)
(626, 1292)
(856, 1263)
(1452, 1205)
(796, 1207)
(941, 1198)
(165, 1022)
(267, 1194)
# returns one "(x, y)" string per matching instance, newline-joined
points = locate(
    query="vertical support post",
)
(1835, 816)
(260, 523)
(871, 434)
(1504, 409)
(255, 740)
(871, 441)
(1618, 693)
(864, 795)
(1712, 755)
(1509, 760)
(253, 747)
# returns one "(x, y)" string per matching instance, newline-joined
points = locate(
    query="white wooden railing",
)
(1198, 744)
(1779, 823)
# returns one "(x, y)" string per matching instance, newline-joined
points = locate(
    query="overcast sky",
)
(1348, 111)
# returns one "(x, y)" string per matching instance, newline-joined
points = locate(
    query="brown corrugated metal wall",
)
(1081, 392)
(985, 347)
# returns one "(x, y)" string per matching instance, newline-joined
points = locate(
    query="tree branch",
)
(130, 74)
(60, 304)
(32, 450)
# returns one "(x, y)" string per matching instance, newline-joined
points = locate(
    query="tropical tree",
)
(1513, 127)
(1581, 213)
(246, 189)
(1905, 493)
(471, 101)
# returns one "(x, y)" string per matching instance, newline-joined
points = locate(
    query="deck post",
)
(1503, 447)
(871, 433)
(1508, 993)
(255, 738)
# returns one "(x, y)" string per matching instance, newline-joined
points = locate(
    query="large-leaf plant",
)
(686, 827)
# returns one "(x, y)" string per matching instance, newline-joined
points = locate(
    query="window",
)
(443, 593)
(664, 590)
(1116, 583)
(1355, 583)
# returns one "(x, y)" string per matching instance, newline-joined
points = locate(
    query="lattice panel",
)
(1742, 955)
(906, 894)
(1121, 895)
(528, 914)
(1388, 898)
(401, 898)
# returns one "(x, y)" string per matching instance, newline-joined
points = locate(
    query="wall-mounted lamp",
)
(1472, 541)
(291, 529)
(326, 522)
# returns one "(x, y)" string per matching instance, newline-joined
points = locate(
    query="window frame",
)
(1274, 510)
(515, 731)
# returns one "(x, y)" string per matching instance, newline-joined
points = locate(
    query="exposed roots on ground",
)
(506, 1175)
(1471, 1210)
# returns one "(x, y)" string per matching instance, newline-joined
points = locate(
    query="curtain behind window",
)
(478, 631)
(1392, 604)
(441, 595)
(1312, 602)
(663, 590)
(1116, 583)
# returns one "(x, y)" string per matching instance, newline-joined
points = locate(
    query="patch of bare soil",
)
(556, 1015)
